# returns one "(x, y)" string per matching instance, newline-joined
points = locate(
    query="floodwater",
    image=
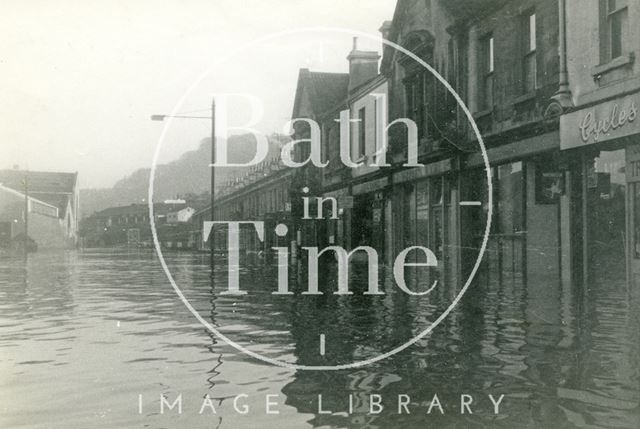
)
(96, 339)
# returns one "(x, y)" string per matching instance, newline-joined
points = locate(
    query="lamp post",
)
(25, 184)
(212, 118)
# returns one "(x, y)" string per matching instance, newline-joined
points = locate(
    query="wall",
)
(583, 52)
(512, 107)
(417, 16)
(543, 268)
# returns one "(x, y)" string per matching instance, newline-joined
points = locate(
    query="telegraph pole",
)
(25, 183)
(213, 181)
(213, 161)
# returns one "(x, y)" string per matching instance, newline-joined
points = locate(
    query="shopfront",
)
(368, 217)
(505, 258)
(606, 140)
(336, 230)
(524, 244)
(425, 213)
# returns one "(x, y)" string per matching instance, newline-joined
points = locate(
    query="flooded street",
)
(95, 338)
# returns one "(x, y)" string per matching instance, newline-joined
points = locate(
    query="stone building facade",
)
(553, 95)
(600, 139)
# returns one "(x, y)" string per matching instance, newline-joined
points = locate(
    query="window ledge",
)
(616, 63)
(525, 97)
(483, 113)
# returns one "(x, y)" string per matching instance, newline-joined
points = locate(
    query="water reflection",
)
(83, 334)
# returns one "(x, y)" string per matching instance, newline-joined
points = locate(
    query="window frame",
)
(607, 13)
(611, 14)
(529, 48)
(361, 148)
(487, 71)
(418, 95)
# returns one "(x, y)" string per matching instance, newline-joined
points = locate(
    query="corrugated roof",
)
(54, 188)
(133, 209)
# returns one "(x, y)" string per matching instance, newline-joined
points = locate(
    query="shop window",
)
(486, 72)
(636, 221)
(436, 201)
(529, 77)
(422, 213)
(409, 215)
(606, 212)
(509, 198)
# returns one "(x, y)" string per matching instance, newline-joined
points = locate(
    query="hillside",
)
(190, 174)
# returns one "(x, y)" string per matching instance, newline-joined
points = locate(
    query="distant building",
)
(125, 225)
(175, 201)
(181, 216)
(52, 208)
(262, 195)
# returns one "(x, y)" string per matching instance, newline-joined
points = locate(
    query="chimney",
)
(363, 66)
(387, 51)
(385, 30)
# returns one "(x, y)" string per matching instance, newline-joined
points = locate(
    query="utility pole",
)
(213, 161)
(25, 183)
(213, 182)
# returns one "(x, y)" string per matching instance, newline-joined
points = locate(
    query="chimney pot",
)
(363, 66)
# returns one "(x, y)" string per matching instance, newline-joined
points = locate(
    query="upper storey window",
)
(614, 28)
(529, 60)
(418, 81)
(487, 65)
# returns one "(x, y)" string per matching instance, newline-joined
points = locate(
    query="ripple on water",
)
(83, 333)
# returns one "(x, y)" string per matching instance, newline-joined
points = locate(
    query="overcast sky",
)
(79, 79)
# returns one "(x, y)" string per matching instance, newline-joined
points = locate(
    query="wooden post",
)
(213, 182)
(25, 182)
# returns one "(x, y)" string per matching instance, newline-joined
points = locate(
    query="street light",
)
(212, 118)
(25, 184)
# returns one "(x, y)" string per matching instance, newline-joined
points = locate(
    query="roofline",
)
(237, 192)
(22, 195)
(367, 86)
(303, 73)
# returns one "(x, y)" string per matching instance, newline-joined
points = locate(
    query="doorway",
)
(606, 195)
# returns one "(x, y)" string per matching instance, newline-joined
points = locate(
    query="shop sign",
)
(372, 186)
(603, 122)
(416, 173)
(549, 186)
(337, 194)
